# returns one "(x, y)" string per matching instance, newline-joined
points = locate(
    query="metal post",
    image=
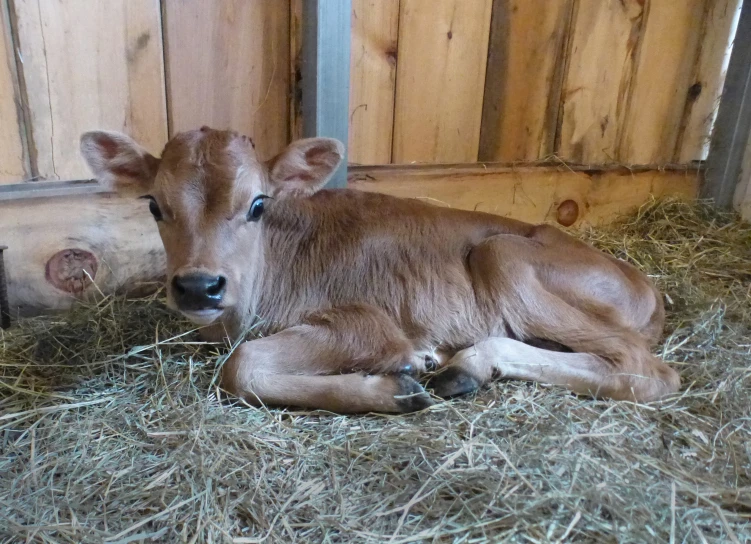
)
(325, 73)
(4, 306)
(733, 124)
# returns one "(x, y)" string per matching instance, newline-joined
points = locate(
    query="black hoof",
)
(411, 397)
(431, 365)
(453, 382)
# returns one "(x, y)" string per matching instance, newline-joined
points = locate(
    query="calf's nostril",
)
(178, 286)
(216, 287)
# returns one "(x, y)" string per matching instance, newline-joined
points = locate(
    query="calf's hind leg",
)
(583, 373)
(344, 360)
(610, 360)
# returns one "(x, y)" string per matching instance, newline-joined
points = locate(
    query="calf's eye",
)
(154, 207)
(256, 208)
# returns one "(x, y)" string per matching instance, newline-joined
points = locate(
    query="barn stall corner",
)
(569, 111)
(600, 116)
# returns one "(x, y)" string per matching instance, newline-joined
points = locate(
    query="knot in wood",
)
(568, 212)
(71, 270)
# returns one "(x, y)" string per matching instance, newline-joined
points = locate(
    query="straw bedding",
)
(111, 430)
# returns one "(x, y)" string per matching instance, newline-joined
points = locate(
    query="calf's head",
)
(208, 193)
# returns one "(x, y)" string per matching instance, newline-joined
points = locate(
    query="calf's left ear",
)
(118, 162)
(305, 166)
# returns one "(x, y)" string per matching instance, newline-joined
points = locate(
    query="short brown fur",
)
(358, 293)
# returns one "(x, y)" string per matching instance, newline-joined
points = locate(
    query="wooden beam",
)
(733, 125)
(54, 242)
(532, 194)
(325, 73)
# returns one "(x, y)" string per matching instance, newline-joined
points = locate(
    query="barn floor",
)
(110, 431)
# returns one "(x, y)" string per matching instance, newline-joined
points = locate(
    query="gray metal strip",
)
(46, 189)
(325, 73)
(733, 124)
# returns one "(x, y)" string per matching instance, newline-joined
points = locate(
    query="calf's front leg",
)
(344, 360)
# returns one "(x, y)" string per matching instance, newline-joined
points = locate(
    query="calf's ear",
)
(305, 166)
(118, 162)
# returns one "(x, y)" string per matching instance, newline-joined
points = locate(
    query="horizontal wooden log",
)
(79, 246)
(74, 247)
(531, 193)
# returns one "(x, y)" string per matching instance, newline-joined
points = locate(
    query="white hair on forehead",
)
(255, 178)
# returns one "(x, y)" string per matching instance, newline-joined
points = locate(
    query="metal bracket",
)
(325, 73)
(4, 306)
(733, 124)
(47, 189)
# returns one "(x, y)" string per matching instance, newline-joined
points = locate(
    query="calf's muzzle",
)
(198, 291)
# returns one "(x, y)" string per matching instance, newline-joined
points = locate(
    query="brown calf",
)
(356, 293)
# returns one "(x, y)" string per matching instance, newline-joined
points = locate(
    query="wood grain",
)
(228, 67)
(442, 56)
(530, 194)
(707, 80)
(375, 26)
(523, 80)
(90, 64)
(14, 165)
(295, 70)
(119, 232)
(597, 85)
(663, 81)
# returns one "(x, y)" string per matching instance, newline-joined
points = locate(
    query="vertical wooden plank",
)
(662, 82)
(600, 69)
(443, 46)
(375, 27)
(13, 160)
(707, 80)
(90, 64)
(295, 73)
(523, 80)
(228, 67)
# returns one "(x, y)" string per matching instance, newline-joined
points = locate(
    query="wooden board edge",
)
(536, 195)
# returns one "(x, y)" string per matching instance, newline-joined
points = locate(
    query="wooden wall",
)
(590, 81)
(433, 81)
(14, 161)
(145, 67)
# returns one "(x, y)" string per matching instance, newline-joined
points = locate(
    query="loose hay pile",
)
(110, 430)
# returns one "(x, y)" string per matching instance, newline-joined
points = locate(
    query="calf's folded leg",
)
(345, 360)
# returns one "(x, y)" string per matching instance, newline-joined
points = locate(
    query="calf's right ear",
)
(118, 162)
